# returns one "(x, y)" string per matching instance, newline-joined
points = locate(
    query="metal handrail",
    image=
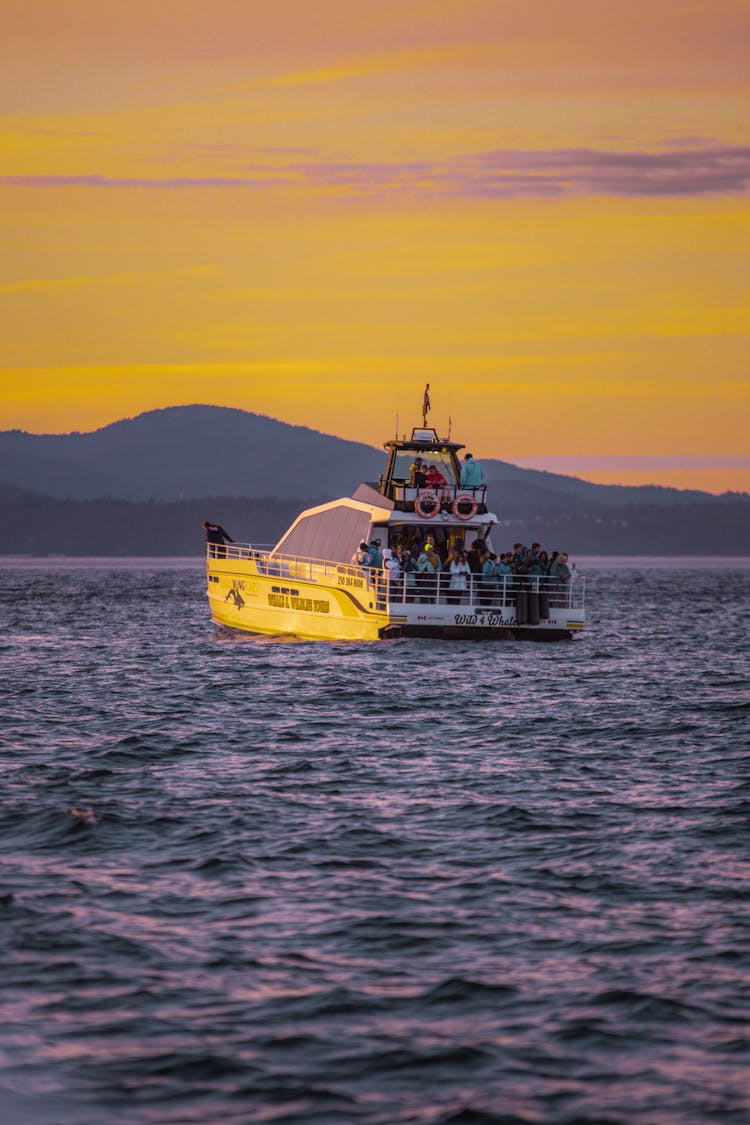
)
(425, 589)
(403, 492)
(481, 590)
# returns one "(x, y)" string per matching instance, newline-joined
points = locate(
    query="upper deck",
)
(407, 473)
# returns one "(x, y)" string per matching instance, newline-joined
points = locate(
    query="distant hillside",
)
(184, 452)
(39, 525)
(192, 451)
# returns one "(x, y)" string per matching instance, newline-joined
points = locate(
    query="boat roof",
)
(423, 438)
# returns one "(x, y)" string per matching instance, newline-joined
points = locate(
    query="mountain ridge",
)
(156, 455)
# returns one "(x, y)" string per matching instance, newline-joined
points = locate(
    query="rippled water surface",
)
(402, 882)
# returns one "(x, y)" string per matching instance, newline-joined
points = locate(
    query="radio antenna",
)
(425, 405)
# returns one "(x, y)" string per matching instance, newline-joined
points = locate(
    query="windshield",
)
(441, 460)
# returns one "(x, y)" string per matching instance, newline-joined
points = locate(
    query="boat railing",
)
(274, 565)
(406, 497)
(503, 590)
(414, 587)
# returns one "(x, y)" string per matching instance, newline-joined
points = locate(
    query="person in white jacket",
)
(460, 573)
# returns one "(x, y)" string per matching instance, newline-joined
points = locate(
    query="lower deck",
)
(251, 591)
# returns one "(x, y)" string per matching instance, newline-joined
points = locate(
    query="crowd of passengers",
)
(426, 569)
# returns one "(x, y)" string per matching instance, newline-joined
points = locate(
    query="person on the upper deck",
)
(417, 473)
(217, 537)
(471, 473)
(434, 478)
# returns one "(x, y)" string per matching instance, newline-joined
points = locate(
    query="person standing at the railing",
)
(476, 555)
(408, 569)
(471, 473)
(376, 555)
(428, 569)
(434, 478)
(216, 537)
(488, 581)
(460, 573)
(560, 575)
(361, 556)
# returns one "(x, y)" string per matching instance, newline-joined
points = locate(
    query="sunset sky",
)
(309, 209)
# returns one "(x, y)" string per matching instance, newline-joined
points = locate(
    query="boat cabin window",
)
(444, 539)
(442, 461)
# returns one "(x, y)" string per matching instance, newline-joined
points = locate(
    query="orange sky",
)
(309, 210)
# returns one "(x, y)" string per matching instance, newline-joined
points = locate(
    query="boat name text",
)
(310, 605)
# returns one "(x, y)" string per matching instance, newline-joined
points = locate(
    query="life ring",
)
(459, 504)
(432, 498)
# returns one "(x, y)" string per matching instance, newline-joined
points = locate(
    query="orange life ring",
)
(464, 498)
(429, 496)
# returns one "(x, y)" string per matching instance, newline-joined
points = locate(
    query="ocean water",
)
(407, 882)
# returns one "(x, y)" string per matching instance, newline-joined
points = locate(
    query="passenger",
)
(532, 565)
(460, 573)
(435, 478)
(488, 581)
(428, 569)
(408, 567)
(216, 537)
(391, 564)
(417, 473)
(471, 473)
(503, 566)
(361, 556)
(559, 573)
(560, 568)
(519, 558)
(476, 555)
(544, 562)
(376, 555)
(389, 577)
(456, 548)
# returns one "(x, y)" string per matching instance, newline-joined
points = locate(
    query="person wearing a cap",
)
(428, 567)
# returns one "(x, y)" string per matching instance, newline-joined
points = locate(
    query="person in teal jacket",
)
(471, 473)
(376, 555)
(428, 568)
(488, 583)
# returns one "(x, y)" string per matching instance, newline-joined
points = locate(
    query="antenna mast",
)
(426, 404)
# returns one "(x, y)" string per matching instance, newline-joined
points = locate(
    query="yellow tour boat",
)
(313, 584)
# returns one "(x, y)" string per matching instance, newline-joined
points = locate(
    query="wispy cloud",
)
(687, 170)
(42, 284)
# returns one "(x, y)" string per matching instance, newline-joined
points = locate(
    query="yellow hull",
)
(338, 606)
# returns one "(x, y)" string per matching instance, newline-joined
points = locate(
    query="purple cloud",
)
(685, 170)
